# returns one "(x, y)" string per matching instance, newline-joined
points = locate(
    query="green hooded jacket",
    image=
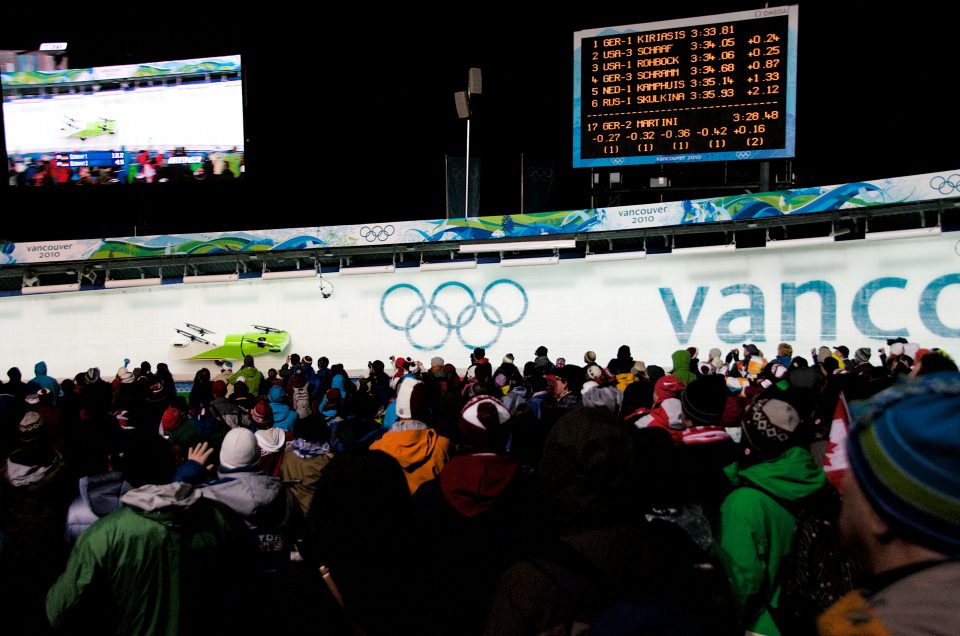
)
(251, 376)
(681, 366)
(756, 532)
(147, 568)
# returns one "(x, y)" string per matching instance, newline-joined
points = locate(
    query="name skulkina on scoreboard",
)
(712, 88)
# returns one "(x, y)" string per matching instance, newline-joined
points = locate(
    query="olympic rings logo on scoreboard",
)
(947, 185)
(441, 312)
(376, 232)
(540, 174)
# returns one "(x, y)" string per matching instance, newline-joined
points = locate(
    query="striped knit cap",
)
(904, 450)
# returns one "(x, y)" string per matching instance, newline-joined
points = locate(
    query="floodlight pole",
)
(462, 99)
(466, 183)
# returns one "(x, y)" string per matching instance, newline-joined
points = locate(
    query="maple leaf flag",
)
(835, 463)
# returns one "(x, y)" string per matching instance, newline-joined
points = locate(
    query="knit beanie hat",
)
(771, 426)
(668, 386)
(560, 363)
(126, 376)
(219, 389)
(608, 397)
(262, 414)
(862, 355)
(508, 359)
(590, 357)
(239, 449)
(307, 360)
(157, 392)
(411, 400)
(482, 422)
(594, 372)
(332, 402)
(704, 400)
(92, 375)
(32, 427)
(903, 450)
(716, 358)
(170, 419)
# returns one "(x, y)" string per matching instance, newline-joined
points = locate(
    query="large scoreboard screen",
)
(713, 88)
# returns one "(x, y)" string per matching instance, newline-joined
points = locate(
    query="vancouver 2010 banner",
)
(858, 195)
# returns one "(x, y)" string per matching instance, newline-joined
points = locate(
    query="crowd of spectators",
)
(543, 497)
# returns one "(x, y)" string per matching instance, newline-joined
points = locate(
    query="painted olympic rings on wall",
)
(444, 318)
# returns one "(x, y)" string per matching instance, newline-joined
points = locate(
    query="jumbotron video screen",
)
(159, 122)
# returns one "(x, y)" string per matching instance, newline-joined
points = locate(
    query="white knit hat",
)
(239, 449)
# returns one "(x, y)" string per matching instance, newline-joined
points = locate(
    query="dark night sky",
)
(349, 120)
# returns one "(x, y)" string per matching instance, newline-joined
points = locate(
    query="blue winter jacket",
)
(284, 417)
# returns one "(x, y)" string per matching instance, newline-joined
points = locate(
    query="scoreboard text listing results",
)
(708, 88)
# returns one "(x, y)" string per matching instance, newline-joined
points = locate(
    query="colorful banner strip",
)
(863, 194)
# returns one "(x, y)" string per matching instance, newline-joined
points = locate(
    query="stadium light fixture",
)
(368, 269)
(131, 282)
(536, 260)
(212, 278)
(438, 266)
(801, 242)
(615, 256)
(50, 289)
(918, 232)
(518, 246)
(705, 249)
(293, 273)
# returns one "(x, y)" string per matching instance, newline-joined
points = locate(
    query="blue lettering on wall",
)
(754, 312)
(828, 308)
(683, 328)
(861, 308)
(928, 306)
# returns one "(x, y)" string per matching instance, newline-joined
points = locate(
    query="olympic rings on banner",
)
(442, 317)
(947, 185)
(376, 232)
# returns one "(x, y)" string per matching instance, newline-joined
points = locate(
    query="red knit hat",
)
(219, 389)
(171, 419)
(669, 386)
(262, 415)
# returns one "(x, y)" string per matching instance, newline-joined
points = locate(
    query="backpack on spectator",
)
(818, 570)
(301, 401)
